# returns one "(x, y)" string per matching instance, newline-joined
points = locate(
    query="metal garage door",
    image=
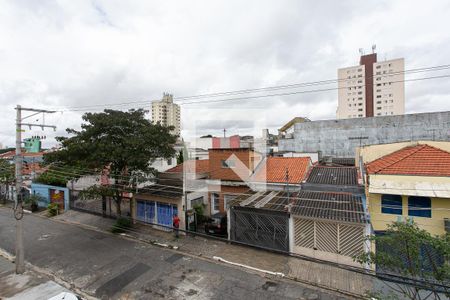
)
(258, 227)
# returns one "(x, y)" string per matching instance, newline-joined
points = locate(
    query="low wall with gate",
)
(51, 194)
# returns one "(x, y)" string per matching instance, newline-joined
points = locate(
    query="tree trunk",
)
(118, 208)
(118, 200)
(103, 206)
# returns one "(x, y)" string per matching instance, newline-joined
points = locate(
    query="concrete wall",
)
(425, 186)
(331, 137)
(314, 156)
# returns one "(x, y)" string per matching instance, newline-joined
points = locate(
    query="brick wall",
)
(247, 157)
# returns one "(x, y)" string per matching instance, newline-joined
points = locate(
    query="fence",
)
(334, 241)
(107, 207)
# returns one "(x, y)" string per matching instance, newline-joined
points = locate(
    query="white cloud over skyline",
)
(59, 54)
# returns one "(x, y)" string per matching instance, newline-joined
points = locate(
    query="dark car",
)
(217, 225)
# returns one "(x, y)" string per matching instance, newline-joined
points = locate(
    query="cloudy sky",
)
(68, 55)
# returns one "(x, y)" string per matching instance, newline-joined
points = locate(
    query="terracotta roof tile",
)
(274, 169)
(197, 166)
(423, 160)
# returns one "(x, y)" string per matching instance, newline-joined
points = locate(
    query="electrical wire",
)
(289, 86)
(150, 189)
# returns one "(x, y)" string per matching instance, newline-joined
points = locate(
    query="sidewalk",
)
(27, 286)
(312, 273)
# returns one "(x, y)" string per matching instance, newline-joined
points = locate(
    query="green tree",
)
(411, 252)
(125, 143)
(180, 157)
(7, 176)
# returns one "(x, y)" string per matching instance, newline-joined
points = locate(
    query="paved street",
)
(27, 286)
(107, 266)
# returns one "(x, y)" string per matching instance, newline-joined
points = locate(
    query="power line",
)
(436, 68)
(152, 188)
(287, 86)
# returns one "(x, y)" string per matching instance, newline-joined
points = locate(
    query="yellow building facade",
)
(440, 211)
(408, 181)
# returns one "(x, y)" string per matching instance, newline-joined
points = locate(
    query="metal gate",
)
(258, 227)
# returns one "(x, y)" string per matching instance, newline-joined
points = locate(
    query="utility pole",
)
(287, 184)
(18, 208)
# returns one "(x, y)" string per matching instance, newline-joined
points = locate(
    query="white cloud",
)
(74, 53)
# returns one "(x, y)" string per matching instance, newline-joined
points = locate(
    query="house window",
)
(227, 163)
(215, 202)
(419, 206)
(169, 161)
(391, 204)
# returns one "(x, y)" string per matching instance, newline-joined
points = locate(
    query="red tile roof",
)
(197, 166)
(422, 160)
(273, 169)
(12, 153)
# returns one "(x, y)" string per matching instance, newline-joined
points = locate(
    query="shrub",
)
(121, 225)
(33, 201)
(52, 209)
(200, 212)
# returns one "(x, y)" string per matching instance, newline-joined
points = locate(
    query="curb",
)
(214, 259)
(52, 276)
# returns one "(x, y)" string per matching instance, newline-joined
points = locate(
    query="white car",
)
(65, 296)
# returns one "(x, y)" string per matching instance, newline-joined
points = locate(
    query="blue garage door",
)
(146, 211)
(163, 215)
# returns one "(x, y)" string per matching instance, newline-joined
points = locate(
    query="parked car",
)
(217, 225)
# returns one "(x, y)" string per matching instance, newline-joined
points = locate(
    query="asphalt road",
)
(109, 266)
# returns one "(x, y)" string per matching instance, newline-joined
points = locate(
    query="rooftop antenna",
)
(224, 132)
(374, 47)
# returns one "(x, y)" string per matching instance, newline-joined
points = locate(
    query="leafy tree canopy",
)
(124, 141)
(409, 251)
(7, 170)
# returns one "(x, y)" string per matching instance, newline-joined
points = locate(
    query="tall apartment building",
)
(372, 88)
(167, 113)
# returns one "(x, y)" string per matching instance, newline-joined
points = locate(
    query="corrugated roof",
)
(330, 206)
(333, 175)
(162, 191)
(310, 204)
(423, 160)
(344, 161)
